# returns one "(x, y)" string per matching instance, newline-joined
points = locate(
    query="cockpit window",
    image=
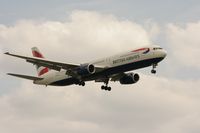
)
(157, 48)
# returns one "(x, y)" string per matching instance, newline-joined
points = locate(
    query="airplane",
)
(114, 68)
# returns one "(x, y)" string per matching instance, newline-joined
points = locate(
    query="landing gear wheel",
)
(153, 71)
(103, 87)
(106, 88)
(82, 83)
(109, 88)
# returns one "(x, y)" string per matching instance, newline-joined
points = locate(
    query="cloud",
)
(158, 104)
(83, 37)
(153, 29)
(83, 29)
(185, 43)
(154, 104)
(1, 54)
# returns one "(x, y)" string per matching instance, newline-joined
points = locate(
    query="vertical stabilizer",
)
(40, 69)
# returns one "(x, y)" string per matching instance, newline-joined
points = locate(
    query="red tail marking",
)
(37, 54)
(43, 71)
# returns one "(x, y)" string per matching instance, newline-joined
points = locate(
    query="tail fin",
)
(40, 69)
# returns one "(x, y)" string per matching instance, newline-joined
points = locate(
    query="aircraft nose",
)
(164, 53)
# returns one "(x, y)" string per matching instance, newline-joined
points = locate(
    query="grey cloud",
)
(185, 43)
(85, 33)
(154, 104)
(84, 28)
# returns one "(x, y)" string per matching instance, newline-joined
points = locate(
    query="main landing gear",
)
(81, 83)
(153, 71)
(105, 87)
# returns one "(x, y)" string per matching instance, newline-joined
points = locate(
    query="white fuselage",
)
(139, 58)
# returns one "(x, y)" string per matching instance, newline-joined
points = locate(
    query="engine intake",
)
(86, 69)
(130, 78)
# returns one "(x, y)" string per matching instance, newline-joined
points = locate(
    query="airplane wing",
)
(25, 76)
(114, 78)
(48, 63)
(117, 77)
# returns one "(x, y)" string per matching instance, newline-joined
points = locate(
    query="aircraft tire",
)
(109, 88)
(153, 71)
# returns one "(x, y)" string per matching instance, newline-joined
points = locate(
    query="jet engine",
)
(86, 69)
(129, 78)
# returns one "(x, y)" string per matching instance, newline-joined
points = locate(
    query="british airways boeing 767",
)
(114, 68)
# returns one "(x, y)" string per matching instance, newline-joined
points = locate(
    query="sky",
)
(78, 31)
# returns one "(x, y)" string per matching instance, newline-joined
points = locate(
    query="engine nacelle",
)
(86, 69)
(129, 78)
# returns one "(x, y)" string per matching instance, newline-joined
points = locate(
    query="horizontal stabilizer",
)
(25, 76)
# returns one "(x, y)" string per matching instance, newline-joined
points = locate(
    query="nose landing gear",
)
(153, 71)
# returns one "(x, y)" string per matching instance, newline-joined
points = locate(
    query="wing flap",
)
(25, 76)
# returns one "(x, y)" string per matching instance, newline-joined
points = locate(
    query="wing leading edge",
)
(46, 63)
